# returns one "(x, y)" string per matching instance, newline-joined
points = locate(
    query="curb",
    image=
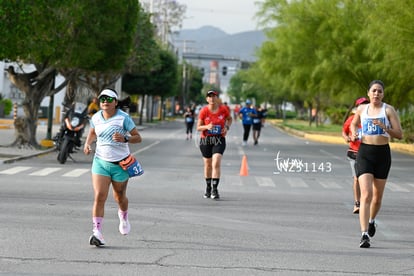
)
(23, 157)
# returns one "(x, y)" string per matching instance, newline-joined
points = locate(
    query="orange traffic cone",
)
(244, 171)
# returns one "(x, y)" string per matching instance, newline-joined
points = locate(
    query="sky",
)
(231, 16)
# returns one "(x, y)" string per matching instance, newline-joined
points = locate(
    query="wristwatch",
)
(126, 139)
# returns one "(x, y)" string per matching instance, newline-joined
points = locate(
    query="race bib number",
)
(369, 128)
(189, 119)
(216, 130)
(256, 121)
(135, 169)
(132, 166)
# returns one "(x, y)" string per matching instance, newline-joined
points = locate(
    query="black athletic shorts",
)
(257, 126)
(374, 159)
(211, 145)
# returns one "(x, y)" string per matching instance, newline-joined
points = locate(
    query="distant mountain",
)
(200, 34)
(211, 40)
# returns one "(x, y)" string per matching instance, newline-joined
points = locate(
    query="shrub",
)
(8, 105)
(336, 114)
(407, 124)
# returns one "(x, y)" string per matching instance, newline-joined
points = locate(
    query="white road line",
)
(240, 151)
(329, 184)
(395, 187)
(296, 182)
(76, 172)
(15, 170)
(264, 181)
(233, 180)
(174, 134)
(45, 171)
(147, 147)
(332, 155)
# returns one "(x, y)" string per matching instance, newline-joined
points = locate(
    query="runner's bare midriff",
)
(375, 140)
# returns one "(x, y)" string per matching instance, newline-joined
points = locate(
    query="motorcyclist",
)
(66, 124)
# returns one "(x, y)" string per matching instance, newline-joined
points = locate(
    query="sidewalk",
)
(7, 136)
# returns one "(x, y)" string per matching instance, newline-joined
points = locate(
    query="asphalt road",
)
(292, 214)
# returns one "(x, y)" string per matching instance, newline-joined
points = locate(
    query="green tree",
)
(391, 38)
(235, 88)
(317, 51)
(159, 81)
(191, 86)
(76, 38)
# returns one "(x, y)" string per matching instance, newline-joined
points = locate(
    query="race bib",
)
(189, 119)
(132, 166)
(369, 128)
(216, 130)
(248, 119)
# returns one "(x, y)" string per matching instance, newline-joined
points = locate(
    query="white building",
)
(217, 69)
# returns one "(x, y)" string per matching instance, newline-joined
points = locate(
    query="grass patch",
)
(302, 125)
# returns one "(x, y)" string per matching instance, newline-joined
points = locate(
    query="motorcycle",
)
(69, 137)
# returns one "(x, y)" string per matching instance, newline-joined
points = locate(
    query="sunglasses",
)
(106, 99)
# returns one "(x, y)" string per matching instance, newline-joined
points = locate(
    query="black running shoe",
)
(215, 194)
(208, 192)
(365, 242)
(371, 229)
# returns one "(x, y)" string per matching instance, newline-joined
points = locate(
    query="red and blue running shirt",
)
(218, 118)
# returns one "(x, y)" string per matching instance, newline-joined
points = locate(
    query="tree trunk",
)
(34, 90)
(141, 111)
(70, 94)
(162, 113)
(21, 133)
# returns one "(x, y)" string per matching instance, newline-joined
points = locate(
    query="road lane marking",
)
(15, 170)
(174, 134)
(76, 172)
(45, 171)
(145, 148)
(233, 180)
(296, 182)
(395, 187)
(329, 184)
(265, 181)
(332, 155)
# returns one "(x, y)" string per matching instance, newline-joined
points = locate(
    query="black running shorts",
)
(374, 159)
(257, 126)
(211, 145)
